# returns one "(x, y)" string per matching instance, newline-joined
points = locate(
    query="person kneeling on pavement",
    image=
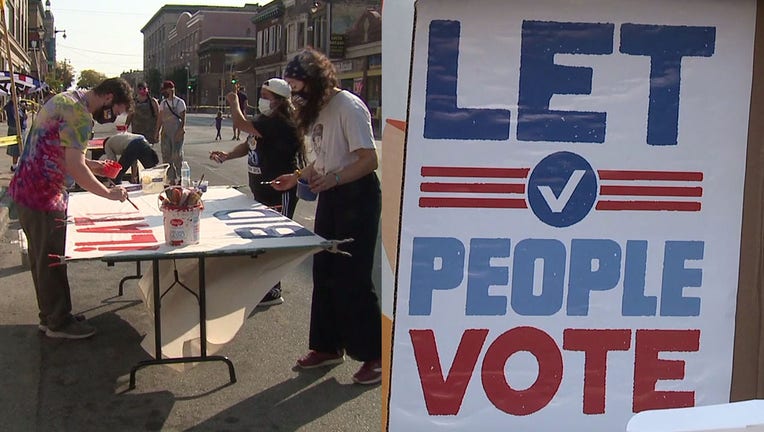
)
(131, 148)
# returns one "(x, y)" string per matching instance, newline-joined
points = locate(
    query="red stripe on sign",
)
(398, 124)
(472, 202)
(475, 172)
(473, 187)
(649, 205)
(650, 175)
(652, 191)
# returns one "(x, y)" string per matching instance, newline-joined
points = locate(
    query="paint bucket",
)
(304, 192)
(154, 179)
(181, 224)
(111, 168)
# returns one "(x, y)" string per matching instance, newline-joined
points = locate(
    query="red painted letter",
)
(444, 396)
(595, 344)
(538, 395)
(648, 368)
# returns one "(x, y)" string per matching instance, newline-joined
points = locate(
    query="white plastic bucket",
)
(181, 225)
(154, 179)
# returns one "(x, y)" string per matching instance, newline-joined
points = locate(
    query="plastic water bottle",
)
(185, 175)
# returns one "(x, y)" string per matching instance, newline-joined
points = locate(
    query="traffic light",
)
(233, 78)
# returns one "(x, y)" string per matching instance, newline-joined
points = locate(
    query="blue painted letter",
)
(550, 254)
(584, 278)
(481, 276)
(676, 276)
(635, 302)
(427, 276)
(666, 45)
(540, 79)
(442, 118)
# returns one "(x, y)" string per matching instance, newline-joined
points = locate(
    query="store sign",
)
(556, 259)
(337, 45)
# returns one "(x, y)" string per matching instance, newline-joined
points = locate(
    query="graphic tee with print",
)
(41, 181)
(342, 127)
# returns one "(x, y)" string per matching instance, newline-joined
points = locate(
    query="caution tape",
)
(10, 140)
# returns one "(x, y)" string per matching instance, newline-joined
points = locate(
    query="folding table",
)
(231, 225)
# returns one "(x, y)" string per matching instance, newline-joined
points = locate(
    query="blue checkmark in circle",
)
(562, 189)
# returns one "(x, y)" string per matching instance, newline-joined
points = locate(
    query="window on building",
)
(300, 34)
(279, 42)
(271, 40)
(259, 44)
(291, 37)
(12, 20)
(319, 33)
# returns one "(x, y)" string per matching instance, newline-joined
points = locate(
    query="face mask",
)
(143, 92)
(104, 115)
(264, 105)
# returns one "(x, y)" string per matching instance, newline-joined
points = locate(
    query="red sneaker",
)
(369, 373)
(315, 359)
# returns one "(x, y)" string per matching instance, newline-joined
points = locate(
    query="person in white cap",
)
(273, 148)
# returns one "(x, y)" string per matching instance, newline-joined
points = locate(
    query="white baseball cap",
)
(278, 86)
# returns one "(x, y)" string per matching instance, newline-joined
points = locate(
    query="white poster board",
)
(571, 213)
(249, 248)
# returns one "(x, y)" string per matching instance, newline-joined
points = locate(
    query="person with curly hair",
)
(345, 312)
(53, 159)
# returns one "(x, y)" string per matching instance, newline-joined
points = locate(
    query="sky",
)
(106, 36)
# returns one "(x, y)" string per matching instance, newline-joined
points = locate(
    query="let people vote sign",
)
(571, 212)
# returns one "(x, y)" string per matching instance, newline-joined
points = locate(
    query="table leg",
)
(137, 275)
(202, 330)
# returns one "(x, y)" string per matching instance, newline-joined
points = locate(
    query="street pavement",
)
(57, 385)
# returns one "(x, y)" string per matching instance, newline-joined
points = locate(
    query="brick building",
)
(195, 45)
(204, 47)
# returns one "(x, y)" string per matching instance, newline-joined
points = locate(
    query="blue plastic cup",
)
(304, 192)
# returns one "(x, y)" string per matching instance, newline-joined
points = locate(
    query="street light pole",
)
(188, 84)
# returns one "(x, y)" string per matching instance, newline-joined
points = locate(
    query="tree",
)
(180, 77)
(89, 79)
(62, 77)
(154, 80)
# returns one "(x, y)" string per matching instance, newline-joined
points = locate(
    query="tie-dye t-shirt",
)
(41, 180)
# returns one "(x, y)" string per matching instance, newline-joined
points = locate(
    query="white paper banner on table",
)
(263, 246)
(230, 223)
(571, 212)
(234, 286)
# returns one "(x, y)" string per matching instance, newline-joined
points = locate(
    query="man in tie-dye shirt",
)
(53, 159)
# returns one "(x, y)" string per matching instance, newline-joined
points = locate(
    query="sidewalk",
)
(5, 179)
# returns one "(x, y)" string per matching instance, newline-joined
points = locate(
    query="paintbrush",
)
(111, 183)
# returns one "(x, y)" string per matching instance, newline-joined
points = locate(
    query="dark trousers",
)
(266, 195)
(46, 236)
(132, 153)
(345, 312)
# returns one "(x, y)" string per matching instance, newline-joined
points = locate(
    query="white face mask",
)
(264, 105)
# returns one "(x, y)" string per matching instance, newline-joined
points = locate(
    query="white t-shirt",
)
(342, 126)
(177, 104)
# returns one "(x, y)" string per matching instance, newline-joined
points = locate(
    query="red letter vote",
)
(648, 368)
(595, 344)
(444, 396)
(538, 395)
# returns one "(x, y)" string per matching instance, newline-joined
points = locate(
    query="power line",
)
(95, 12)
(97, 52)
